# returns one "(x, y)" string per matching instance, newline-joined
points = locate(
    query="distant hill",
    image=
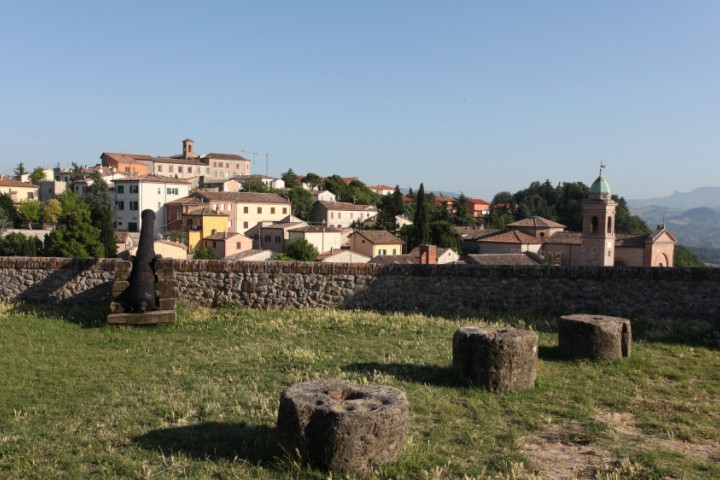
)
(681, 201)
(696, 228)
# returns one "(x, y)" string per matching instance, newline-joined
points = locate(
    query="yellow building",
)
(202, 223)
(372, 243)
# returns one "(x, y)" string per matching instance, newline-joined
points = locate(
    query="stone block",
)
(120, 287)
(343, 427)
(596, 337)
(498, 359)
(165, 289)
(167, 303)
(154, 317)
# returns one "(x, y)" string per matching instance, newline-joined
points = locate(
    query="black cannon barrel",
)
(142, 278)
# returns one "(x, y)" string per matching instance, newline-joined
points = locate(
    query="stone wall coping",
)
(57, 263)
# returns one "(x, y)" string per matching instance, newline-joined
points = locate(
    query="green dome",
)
(600, 187)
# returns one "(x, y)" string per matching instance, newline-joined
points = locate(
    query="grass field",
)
(199, 399)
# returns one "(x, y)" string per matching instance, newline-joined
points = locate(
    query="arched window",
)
(594, 225)
(609, 225)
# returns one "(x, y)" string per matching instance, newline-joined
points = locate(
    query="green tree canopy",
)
(462, 215)
(421, 222)
(202, 253)
(20, 170)
(302, 202)
(337, 185)
(50, 212)
(389, 207)
(8, 208)
(302, 250)
(102, 212)
(16, 244)
(29, 211)
(37, 175)
(312, 180)
(684, 258)
(75, 235)
(290, 179)
(255, 184)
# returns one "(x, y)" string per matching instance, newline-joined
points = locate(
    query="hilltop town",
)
(211, 206)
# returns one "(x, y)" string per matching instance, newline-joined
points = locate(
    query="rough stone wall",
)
(651, 292)
(56, 280)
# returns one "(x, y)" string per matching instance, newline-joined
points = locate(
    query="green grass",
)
(199, 399)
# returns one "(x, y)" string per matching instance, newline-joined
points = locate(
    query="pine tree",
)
(75, 236)
(422, 218)
(102, 211)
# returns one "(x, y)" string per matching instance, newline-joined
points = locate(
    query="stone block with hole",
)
(498, 359)
(340, 426)
(596, 337)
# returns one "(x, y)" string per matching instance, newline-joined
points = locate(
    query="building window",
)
(133, 189)
(120, 205)
(278, 239)
(170, 168)
(259, 209)
(172, 191)
(382, 251)
(120, 189)
(238, 245)
(267, 238)
(245, 224)
(594, 225)
(272, 210)
(246, 209)
(609, 224)
(133, 205)
(284, 210)
(159, 190)
(159, 168)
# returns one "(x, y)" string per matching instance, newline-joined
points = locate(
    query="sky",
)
(474, 97)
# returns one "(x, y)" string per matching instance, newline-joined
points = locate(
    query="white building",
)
(132, 195)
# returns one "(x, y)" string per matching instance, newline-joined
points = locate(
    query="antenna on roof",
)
(601, 167)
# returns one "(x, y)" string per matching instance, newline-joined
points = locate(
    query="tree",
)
(20, 170)
(312, 180)
(443, 234)
(5, 222)
(302, 202)
(421, 221)
(102, 212)
(685, 258)
(75, 235)
(202, 253)
(8, 208)
(389, 208)
(462, 214)
(29, 211)
(77, 173)
(290, 179)
(255, 184)
(37, 175)
(361, 194)
(337, 185)
(302, 250)
(50, 212)
(16, 244)
(625, 222)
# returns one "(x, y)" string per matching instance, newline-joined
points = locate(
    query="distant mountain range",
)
(693, 217)
(700, 197)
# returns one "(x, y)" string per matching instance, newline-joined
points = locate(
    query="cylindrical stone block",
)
(597, 337)
(498, 359)
(343, 427)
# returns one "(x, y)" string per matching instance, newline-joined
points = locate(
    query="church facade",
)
(597, 245)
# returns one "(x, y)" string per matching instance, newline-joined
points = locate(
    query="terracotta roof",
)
(395, 260)
(477, 201)
(379, 237)
(225, 156)
(503, 259)
(244, 255)
(151, 179)
(626, 240)
(9, 182)
(512, 236)
(206, 212)
(179, 160)
(131, 158)
(444, 199)
(190, 200)
(536, 222)
(346, 206)
(476, 233)
(565, 238)
(223, 236)
(284, 225)
(312, 229)
(381, 187)
(121, 237)
(244, 197)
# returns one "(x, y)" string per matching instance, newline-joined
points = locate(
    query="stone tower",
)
(188, 149)
(598, 233)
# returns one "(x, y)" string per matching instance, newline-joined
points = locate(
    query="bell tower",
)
(598, 233)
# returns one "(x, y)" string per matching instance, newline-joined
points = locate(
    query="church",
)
(596, 245)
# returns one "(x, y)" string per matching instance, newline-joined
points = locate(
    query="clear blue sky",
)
(473, 97)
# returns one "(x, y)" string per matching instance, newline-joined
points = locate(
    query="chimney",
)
(188, 149)
(428, 254)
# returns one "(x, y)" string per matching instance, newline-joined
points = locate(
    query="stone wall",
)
(651, 292)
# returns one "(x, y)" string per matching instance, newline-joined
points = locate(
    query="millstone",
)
(498, 359)
(597, 337)
(343, 427)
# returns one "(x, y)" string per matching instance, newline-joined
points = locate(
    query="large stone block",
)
(498, 359)
(597, 337)
(343, 427)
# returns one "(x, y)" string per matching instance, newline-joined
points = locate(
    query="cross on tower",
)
(601, 167)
